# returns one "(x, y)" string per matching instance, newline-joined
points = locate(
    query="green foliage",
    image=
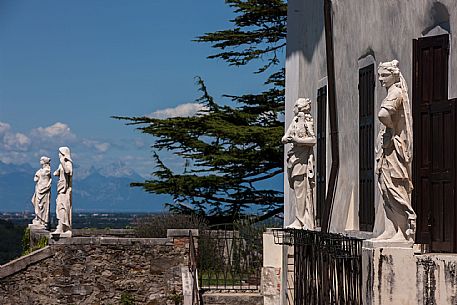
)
(259, 32)
(127, 299)
(156, 226)
(26, 241)
(27, 248)
(10, 245)
(228, 151)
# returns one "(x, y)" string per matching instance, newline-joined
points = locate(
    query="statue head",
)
(388, 73)
(65, 152)
(302, 105)
(45, 160)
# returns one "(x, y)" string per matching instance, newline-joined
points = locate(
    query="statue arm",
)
(310, 138)
(385, 117)
(307, 141)
(68, 168)
(287, 138)
(57, 171)
(390, 106)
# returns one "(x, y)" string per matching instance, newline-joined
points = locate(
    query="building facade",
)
(366, 32)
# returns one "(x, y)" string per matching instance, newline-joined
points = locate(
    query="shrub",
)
(156, 226)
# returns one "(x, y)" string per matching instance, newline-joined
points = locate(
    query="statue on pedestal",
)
(300, 163)
(64, 197)
(394, 154)
(41, 197)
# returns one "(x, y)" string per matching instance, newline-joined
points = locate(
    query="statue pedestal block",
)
(58, 235)
(373, 243)
(37, 227)
(388, 273)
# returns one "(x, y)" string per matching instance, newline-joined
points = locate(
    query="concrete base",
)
(232, 299)
(373, 243)
(36, 227)
(387, 275)
(272, 270)
(57, 235)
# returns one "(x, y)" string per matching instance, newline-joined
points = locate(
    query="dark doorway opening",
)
(434, 164)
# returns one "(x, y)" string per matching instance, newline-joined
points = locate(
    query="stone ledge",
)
(373, 244)
(110, 241)
(181, 232)
(103, 232)
(24, 261)
(232, 298)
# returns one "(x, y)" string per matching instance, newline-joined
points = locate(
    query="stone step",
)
(210, 298)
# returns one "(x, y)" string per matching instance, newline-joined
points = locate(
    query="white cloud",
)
(183, 110)
(13, 157)
(12, 141)
(56, 130)
(102, 147)
(99, 146)
(16, 141)
(29, 145)
(4, 127)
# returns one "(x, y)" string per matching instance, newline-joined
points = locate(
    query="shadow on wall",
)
(438, 16)
(307, 38)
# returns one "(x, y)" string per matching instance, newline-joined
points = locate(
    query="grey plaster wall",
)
(382, 29)
(305, 66)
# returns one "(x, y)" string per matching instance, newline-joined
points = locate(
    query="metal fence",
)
(229, 260)
(327, 267)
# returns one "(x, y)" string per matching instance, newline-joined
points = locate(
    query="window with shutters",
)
(366, 147)
(321, 152)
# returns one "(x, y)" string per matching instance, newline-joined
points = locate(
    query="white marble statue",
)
(394, 154)
(63, 201)
(300, 164)
(42, 195)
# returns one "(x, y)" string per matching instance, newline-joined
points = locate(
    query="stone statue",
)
(300, 163)
(42, 195)
(63, 201)
(394, 154)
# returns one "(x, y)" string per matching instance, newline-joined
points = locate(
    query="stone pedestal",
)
(36, 227)
(55, 235)
(271, 271)
(389, 273)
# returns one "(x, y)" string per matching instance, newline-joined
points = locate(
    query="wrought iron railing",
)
(229, 260)
(327, 267)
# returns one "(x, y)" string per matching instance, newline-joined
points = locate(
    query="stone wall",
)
(98, 270)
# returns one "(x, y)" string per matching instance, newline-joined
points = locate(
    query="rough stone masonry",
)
(97, 270)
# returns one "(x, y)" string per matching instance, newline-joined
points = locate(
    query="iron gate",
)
(327, 267)
(229, 260)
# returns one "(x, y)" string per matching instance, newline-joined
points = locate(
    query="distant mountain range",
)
(96, 189)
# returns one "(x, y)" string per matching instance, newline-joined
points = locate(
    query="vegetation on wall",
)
(27, 245)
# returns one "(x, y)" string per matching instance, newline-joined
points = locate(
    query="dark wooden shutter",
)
(366, 148)
(434, 145)
(321, 151)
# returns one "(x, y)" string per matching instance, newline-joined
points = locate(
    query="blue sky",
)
(67, 66)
